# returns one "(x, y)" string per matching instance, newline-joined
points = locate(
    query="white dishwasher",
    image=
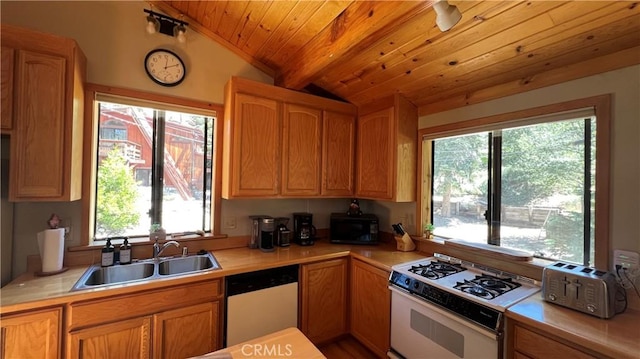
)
(260, 303)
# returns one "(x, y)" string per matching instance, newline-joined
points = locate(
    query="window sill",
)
(142, 241)
(531, 269)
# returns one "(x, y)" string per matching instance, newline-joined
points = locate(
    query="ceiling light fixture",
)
(447, 15)
(166, 25)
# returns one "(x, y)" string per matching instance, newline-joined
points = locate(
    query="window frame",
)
(601, 106)
(90, 133)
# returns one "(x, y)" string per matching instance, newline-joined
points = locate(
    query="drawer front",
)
(538, 346)
(126, 306)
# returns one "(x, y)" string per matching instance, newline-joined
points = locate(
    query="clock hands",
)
(166, 67)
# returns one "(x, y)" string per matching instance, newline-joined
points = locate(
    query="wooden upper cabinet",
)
(279, 143)
(6, 88)
(387, 150)
(338, 154)
(253, 159)
(301, 153)
(32, 335)
(46, 142)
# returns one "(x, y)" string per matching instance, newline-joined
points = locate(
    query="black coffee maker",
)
(304, 232)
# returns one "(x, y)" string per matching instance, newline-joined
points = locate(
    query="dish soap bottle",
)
(125, 252)
(107, 254)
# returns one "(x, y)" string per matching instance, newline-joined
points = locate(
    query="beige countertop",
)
(617, 337)
(29, 291)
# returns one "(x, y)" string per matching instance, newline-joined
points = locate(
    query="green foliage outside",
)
(542, 165)
(565, 234)
(116, 196)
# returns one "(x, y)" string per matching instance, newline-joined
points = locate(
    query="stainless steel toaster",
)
(581, 288)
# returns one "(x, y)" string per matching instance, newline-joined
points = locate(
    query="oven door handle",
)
(430, 306)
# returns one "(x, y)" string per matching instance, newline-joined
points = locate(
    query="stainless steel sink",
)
(187, 264)
(97, 276)
(119, 274)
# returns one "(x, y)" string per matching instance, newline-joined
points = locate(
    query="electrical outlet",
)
(230, 223)
(629, 263)
(625, 259)
(67, 229)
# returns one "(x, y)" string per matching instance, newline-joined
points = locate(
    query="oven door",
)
(419, 330)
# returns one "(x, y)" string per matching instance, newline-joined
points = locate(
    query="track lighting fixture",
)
(166, 25)
(447, 15)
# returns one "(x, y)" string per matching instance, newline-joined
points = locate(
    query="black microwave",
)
(347, 229)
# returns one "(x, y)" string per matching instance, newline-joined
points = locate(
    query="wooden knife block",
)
(404, 243)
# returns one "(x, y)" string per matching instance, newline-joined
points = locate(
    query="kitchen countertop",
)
(617, 337)
(29, 291)
(285, 343)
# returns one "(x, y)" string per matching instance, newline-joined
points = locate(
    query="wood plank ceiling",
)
(361, 51)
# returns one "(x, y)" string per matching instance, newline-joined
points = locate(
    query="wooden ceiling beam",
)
(421, 35)
(362, 21)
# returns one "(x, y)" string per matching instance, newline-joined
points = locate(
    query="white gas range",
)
(443, 307)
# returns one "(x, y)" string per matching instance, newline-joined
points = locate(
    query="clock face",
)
(164, 67)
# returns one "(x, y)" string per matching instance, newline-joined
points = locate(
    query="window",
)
(153, 164)
(526, 183)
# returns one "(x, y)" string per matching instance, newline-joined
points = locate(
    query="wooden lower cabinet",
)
(187, 332)
(528, 342)
(35, 334)
(124, 339)
(323, 302)
(173, 322)
(370, 307)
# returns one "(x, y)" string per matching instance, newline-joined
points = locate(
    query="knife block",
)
(404, 243)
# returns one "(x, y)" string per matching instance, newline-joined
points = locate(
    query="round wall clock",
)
(164, 67)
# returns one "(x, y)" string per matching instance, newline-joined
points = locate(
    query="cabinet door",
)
(124, 339)
(338, 146)
(32, 335)
(375, 167)
(6, 88)
(370, 307)
(37, 147)
(302, 127)
(255, 152)
(324, 300)
(187, 332)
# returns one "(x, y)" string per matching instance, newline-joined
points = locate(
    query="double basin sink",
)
(97, 276)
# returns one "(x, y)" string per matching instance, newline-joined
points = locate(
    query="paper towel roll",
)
(51, 244)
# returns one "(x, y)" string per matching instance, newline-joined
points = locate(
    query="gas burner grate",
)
(486, 286)
(436, 270)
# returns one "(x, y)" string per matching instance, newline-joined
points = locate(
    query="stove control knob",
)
(552, 297)
(416, 284)
(591, 308)
(407, 281)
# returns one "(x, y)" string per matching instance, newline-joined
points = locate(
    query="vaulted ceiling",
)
(360, 51)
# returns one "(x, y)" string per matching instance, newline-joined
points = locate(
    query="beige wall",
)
(624, 84)
(112, 35)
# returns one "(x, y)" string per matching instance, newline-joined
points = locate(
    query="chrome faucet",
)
(157, 250)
